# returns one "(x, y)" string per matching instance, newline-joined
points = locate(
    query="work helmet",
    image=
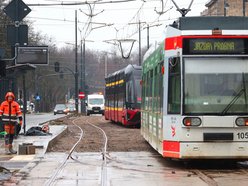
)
(9, 94)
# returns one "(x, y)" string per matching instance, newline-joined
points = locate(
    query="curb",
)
(53, 140)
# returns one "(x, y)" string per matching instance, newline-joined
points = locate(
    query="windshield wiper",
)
(233, 101)
(243, 90)
(243, 79)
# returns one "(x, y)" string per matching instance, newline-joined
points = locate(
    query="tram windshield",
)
(216, 85)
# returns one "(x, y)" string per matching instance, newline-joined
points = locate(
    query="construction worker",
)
(9, 112)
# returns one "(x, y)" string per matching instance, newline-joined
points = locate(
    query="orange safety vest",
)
(10, 112)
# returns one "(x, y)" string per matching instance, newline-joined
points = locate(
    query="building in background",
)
(226, 8)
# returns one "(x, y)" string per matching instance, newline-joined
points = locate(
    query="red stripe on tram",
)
(173, 43)
(171, 149)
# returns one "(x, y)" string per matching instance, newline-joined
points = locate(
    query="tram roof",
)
(212, 22)
(128, 69)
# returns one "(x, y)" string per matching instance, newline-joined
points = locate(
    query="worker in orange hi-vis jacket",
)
(10, 112)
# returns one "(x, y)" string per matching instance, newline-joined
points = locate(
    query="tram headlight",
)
(192, 121)
(242, 121)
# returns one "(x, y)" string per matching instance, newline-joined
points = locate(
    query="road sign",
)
(37, 55)
(17, 10)
(37, 98)
(21, 32)
(81, 95)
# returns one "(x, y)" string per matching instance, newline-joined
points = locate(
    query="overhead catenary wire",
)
(78, 3)
(127, 31)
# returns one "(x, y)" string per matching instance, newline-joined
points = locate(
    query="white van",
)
(95, 104)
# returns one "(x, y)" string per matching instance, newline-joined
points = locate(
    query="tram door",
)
(156, 111)
(154, 115)
(159, 104)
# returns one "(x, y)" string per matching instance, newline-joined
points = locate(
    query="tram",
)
(123, 96)
(195, 90)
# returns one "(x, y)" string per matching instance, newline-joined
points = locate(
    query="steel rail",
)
(52, 180)
(104, 155)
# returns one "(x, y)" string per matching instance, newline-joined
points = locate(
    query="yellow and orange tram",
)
(123, 96)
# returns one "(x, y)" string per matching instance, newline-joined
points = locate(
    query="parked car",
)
(60, 109)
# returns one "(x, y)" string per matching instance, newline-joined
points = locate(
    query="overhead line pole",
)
(83, 54)
(82, 74)
(139, 23)
(76, 65)
(148, 33)
(244, 7)
(139, 44)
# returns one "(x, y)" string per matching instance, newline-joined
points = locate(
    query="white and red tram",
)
(195, 90)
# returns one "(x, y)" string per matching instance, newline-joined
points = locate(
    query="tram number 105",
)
(242, 135)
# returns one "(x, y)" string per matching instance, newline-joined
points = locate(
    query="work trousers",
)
(9, 137)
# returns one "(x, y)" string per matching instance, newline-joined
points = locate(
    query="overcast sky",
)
(58, 22)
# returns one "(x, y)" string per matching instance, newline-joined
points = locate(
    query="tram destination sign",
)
(215, 46)
(37, 55)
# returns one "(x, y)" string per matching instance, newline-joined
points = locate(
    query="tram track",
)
(104, 155)
(95, 130)
(52, 179)
(103, 151)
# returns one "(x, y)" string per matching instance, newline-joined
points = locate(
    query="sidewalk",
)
(16, 162)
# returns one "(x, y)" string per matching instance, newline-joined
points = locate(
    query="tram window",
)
(129, 93)
(160, 88)
(155, 97)
(138, 90)
(143, 93)
(146, 92)
(174, 90)
(150, 91)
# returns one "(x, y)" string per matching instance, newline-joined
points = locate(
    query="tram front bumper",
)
(205, 150)
(214, 150)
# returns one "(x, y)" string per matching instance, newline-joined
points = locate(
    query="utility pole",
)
(244, 7)
(82, 74)
(139, 23)
(76, 65)
(224, 8)
(139, 44)
(148, 37)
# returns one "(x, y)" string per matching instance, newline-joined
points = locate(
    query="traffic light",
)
(56, 66)
(2, 68)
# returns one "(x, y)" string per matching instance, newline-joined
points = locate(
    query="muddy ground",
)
(120, 138)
